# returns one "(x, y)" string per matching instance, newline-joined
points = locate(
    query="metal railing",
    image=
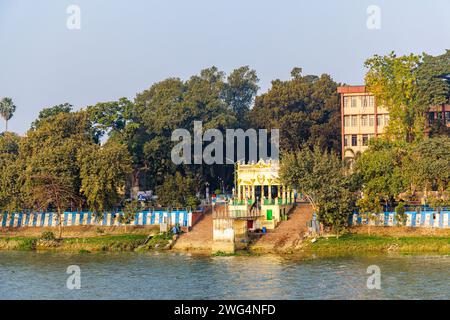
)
(225, 212)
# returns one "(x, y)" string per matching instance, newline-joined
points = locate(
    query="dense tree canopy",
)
(428, 165)
(103, 172)
(433, 78)
(59, 165)
(380, 170)
(178, 191)
(306, 109)
(407, 86)
(393, 81)
(10, 169)
(50, 112)
(239, 92)
(388, 170)
(175, 104)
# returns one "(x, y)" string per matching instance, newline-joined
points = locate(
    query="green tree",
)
(7, 109)
(121, 121)
(51, 174)
(433, 81)
(103, 172)
(178, 191)
(10, 171)
(400, 213)
(173, 104)
(319, 175)
(50, 112)
(52, 149)
(306, 109)
(433, 77)
(380, 171)
(428, 165)
(393, 81)
(160, 110)
(239, 92)
(48, 190)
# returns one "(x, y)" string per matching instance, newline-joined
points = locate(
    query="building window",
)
(346, 121)
(364, 101)
(371, 101)
(345, 140)
(386, 119)
(354, 121)
(354, 140)
(365, 140)
(346, 102)
(371, 120)
(379, 120)
(354, 102)
(364, 121)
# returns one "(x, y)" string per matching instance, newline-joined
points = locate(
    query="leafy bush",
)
(129, 212)
(27, 244)
(48, 236)
(401, 216)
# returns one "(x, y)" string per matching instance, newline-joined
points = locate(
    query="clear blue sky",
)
(125, 46)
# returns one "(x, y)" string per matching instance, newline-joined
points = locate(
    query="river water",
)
(34, 275)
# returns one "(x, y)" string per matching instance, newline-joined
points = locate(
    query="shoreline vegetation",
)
(357, 241)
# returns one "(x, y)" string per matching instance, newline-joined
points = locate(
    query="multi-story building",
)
(362, 119)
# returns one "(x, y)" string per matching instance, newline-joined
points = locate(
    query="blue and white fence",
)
(432, 219)
(50, 219)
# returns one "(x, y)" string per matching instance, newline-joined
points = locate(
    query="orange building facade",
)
(363, 119)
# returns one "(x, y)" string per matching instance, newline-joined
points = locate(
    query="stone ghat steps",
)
(287, 235)
(200, 238)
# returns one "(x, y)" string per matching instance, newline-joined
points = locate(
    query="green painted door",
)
(269, 214)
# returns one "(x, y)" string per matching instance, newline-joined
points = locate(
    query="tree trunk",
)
(135, 184)
(6, 125)
(60, 223)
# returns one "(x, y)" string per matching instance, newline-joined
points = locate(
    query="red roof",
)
(351, 89)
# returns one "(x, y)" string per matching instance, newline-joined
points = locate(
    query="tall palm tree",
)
(7, 109)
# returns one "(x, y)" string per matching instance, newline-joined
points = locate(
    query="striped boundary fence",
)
(50, 219)
(431, 219)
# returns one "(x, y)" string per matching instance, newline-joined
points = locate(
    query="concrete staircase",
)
(200, 238)
(288, 234)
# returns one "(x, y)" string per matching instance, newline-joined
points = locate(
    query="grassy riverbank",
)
(351, 244)
(361, 243)
(107, 243)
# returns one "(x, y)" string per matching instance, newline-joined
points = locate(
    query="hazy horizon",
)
(123, 48)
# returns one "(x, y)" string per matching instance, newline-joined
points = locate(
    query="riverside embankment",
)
(86, 239)
(356, 241)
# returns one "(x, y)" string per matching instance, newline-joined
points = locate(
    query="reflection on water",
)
(32, 275)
